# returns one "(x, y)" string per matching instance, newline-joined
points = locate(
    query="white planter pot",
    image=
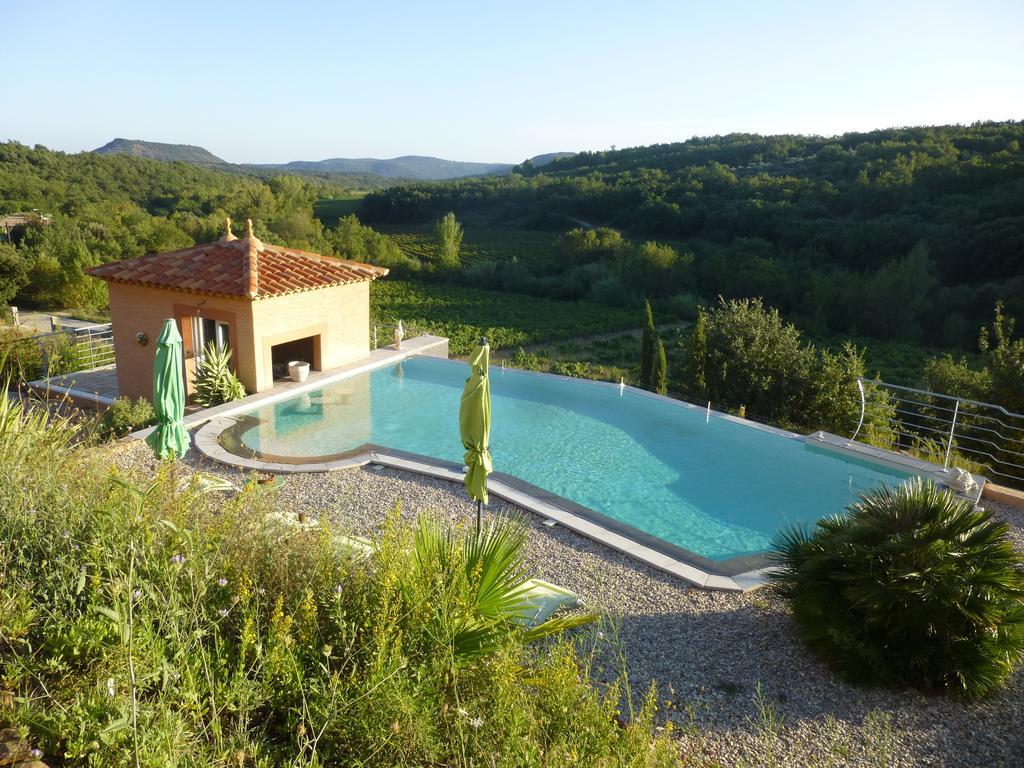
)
(298, 371)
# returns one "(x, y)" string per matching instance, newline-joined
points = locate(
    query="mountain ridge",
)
(156, 150)
(406, 167)
(417, 167)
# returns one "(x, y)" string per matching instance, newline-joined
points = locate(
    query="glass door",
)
(206, 331)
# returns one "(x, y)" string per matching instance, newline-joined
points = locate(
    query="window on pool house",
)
(205, 331)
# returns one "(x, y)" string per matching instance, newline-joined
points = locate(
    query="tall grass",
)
(154, 626)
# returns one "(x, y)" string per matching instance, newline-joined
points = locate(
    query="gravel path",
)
(739, 685)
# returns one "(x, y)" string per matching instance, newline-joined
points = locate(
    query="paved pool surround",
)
(217, 439)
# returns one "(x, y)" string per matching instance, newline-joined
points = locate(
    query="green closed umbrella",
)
(475, 426)
(169, 438)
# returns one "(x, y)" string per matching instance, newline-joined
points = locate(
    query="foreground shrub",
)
(159, 625)
(912, 587)
(126, 415)
(21, 358)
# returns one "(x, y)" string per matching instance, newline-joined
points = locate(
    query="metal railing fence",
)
(94, 345)
(68, 350)
(986, 435)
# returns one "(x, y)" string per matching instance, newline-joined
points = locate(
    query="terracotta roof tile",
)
(244, 268)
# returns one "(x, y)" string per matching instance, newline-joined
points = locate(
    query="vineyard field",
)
(897, 362)
(479, 244)
(507, 320)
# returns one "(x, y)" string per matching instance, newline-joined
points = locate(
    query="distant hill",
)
(413, 167)
(550, 157)
(908, 233)
(407, 167)
(154, 150)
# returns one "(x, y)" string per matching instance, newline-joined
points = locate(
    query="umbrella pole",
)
(479, 507)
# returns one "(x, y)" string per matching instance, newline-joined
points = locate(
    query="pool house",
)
(270, 304)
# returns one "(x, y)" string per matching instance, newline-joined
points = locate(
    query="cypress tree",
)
(699, 356)
(660, 374)
(449, 236)
(647, 348)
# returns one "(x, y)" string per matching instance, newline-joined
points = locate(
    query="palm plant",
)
(215, 382)
(476, 587)
(911, 587)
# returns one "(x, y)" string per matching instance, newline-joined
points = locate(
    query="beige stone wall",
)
(339, 316)
(1003, 495)
(135, 309)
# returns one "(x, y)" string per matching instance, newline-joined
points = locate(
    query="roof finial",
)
(250, 238)
(228, 235)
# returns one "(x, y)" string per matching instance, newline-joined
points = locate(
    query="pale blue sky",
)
(272, 82)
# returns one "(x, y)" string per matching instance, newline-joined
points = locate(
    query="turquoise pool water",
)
(714, 487)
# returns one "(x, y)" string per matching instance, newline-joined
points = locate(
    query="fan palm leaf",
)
(913, 586)
(479, 587)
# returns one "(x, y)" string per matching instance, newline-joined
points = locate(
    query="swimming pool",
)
(698, 484)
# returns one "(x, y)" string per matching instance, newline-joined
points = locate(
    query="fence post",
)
(952, 429)
(863, 408)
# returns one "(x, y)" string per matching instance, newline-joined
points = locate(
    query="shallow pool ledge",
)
(207, 443)
(426, 345)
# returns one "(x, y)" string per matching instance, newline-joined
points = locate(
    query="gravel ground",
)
(737, 681)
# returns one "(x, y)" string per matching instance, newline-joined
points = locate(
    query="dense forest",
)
(897, 234)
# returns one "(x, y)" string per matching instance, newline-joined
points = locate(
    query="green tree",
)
(449, 237)
(582, 246)
(652, 268)
(648, 349)
(950, 376)
(698, 354)
(13, 272)
(67, 242)
(756, 359)
(353, 240)
(897, 295)
(1005, 356)
(751, 357)
(659, 376)
(834, 400)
